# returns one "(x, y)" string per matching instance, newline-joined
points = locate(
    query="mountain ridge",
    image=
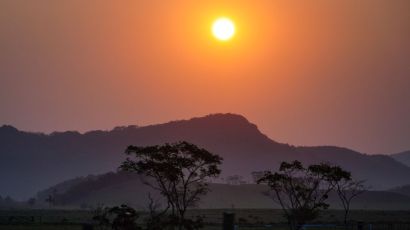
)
(37, 160)
(403, 157)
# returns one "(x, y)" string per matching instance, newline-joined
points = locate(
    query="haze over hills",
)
(404, 190)
(127, 188)
(403, 157)
(36, 161)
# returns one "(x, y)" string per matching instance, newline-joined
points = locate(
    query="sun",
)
(223, 29)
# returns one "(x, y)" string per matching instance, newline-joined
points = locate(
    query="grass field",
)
(73, 219)
(41, 227)
(79, 227)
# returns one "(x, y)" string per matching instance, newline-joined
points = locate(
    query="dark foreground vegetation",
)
(212, 219)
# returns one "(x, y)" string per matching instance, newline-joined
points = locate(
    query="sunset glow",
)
(298, 69)
(162, 114)
(223, 29)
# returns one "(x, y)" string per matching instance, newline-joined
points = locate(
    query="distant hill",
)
(404, 190)
(34, 161)
(117, 188)
(403, 157)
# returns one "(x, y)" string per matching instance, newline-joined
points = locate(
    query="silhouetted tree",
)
(155, 216)
(124, 218)
(347, 189)
(31, 202)
(101, 217)
(179, 172)
(256, 175)
(302, 192)
(120, 217)
(52, 198)
(9, 202)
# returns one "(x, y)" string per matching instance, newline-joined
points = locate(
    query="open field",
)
(41, 227)
(244, 218)
(212, 216)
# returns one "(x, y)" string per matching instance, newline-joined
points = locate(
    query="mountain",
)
(403, 157)
(118, 188)
(34, 161)
(404, 190)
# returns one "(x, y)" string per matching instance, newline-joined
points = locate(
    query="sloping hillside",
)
(118, 188)
(403, 157)
(31, 161)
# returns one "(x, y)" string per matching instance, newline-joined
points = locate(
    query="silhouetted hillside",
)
(403, 157)
(117, 188)
(32, 161)
(404, 190)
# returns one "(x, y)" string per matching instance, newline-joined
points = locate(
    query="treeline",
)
(181, 172)
(9, 203)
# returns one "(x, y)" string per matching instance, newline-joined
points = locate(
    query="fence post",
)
(228, 221)
(360, 225)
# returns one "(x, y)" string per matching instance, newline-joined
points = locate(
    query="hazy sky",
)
(306, 72)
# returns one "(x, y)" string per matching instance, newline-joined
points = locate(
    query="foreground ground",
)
(244, 218)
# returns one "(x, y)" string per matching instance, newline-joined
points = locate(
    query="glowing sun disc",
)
(223, 29)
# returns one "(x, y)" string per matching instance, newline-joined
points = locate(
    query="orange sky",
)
(306, 72)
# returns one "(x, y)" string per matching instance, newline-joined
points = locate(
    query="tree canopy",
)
(302, 191)
(180, 172)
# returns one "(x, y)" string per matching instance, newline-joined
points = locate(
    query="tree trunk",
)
(293, 223)
(346, 214)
